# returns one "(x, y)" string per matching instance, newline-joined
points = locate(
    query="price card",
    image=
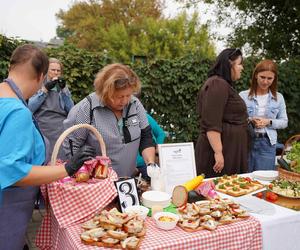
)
(177, 162)
(127, 192)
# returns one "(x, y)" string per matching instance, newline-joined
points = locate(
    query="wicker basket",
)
(63, 136)
(282, 173)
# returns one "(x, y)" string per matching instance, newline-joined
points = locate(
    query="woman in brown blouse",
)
(222, 146)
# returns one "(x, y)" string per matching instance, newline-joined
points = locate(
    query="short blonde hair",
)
(114, 77)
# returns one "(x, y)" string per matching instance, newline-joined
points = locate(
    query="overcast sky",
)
(35, 19)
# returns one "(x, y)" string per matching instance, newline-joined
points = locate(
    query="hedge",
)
(170, 87)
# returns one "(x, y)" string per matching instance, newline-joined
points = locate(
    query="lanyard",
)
(17, 91)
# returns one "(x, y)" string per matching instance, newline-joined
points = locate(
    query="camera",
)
(60, 82)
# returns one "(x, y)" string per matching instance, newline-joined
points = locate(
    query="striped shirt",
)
(120, 149)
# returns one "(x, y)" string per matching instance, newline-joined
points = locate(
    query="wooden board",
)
(291, 203)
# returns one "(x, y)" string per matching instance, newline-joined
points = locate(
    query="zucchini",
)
(193, 196)
(284, 164)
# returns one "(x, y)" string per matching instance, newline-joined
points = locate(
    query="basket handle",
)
(63, 136)
(288, 142)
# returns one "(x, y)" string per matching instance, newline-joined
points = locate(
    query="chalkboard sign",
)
(127, 191)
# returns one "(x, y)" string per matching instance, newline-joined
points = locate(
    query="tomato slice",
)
(248, 179)
(274, 197)
(259, 195)
(270, 196)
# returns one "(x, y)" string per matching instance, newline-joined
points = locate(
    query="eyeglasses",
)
(121, 82)
(55, 70)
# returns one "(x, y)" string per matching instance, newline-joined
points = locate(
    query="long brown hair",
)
(264, 65)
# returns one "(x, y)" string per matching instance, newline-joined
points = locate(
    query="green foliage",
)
(80, 68)
(169, 93)
(294, 155)
(269, 28)
(7, 45)
(125, 28)
(289, 86)
(170, 86)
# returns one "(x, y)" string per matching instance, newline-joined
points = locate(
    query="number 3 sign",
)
(127, 191)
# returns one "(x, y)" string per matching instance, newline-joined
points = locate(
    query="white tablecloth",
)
(281, 230)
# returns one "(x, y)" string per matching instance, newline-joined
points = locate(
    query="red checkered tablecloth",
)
(72, 204)
(245, 234)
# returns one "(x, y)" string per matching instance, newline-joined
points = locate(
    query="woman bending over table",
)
(222, 146)
(118, 116)
(267, 110)
(22, 148)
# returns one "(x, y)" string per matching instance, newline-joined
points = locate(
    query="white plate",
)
(265, 175)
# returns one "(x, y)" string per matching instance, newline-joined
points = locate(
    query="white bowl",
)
(166, 225)
(137, 209)
(156, 198)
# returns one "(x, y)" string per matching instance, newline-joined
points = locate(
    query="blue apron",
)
(17, 205)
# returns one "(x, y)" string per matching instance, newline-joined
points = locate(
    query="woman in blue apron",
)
(22, 148)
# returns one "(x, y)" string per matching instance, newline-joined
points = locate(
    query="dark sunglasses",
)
(235, 52)
(120, 83)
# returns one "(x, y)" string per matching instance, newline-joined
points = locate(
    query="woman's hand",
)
(261, 122)
(219, 165)
(75, 163)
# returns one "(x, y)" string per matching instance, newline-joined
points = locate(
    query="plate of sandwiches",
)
(209, 215)
(114, 229)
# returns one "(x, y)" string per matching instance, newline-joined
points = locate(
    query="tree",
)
(123, 28)
(7, 46)
(269, 27)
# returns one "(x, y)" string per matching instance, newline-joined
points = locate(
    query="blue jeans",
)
(262, 155)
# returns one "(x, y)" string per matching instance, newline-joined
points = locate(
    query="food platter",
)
(285, 188)
(265, 175)
(283, 195)
(209, 215)
(235, 185)
(112, 229)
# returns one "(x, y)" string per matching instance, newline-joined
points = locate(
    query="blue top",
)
(65, 99)
(21, 144)
(276, 111)
(158, 136)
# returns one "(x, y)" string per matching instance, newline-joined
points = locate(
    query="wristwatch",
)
(271, 122)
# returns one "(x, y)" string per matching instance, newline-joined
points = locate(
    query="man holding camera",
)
(51, 105)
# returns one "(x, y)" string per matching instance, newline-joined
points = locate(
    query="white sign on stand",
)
(177, 162)
(127, 193)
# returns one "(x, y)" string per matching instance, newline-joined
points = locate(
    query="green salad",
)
(286, 188)
(294, 156)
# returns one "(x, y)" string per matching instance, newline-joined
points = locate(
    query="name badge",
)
(134, 121)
